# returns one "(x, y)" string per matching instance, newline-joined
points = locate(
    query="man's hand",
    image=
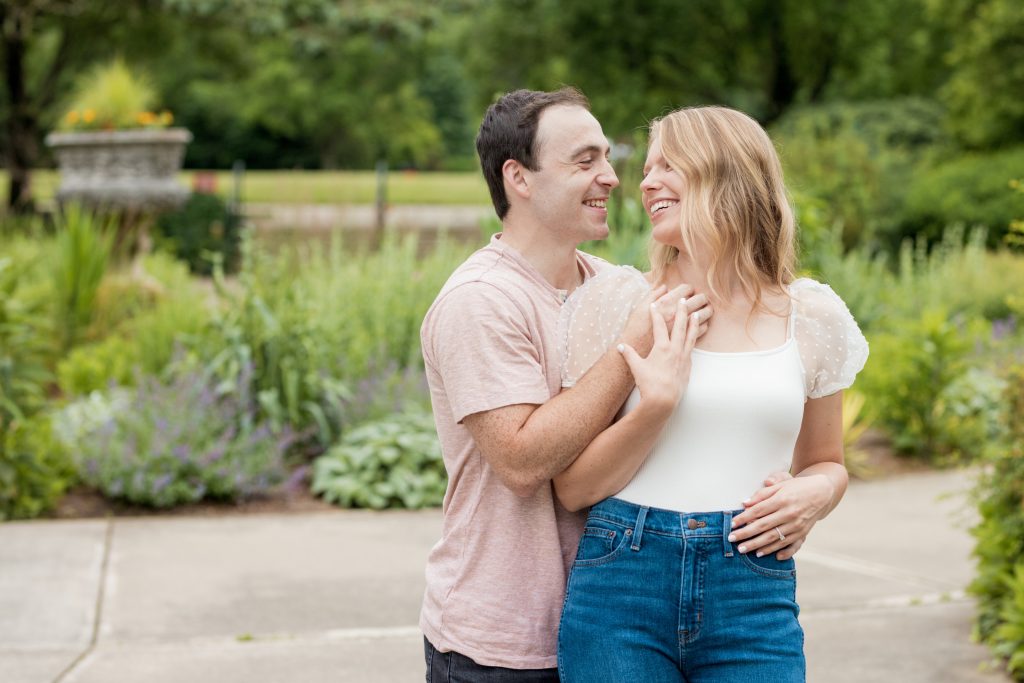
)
(639, 332)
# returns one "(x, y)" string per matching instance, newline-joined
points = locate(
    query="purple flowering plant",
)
(184, 439)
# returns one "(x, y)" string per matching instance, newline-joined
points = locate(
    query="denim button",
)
(692, 524)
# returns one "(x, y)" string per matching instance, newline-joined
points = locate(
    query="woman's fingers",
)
(790, 550)
(692, 332)
(631, 357)
(680, 323)
(660, 329)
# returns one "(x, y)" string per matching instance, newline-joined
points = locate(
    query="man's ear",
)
(515, 178)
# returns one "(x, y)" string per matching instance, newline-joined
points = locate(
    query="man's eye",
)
(586, 161)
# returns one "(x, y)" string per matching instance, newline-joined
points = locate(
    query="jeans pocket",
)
(601, 542)
(769, 565)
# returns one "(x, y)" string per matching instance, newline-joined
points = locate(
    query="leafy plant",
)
(34, 469)
(855, 422)
(999, 547)
(94, 367)
(201, 231)
(315, 325)
(82, 249)
(24, 351)
(1009, 635)
(907, 370)
(393, 462)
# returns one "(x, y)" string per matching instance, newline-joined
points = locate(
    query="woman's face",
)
(662, 187)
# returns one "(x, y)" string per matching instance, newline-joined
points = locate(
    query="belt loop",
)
(726, 530)
(639, 530)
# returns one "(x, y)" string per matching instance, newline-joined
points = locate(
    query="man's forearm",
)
(558, 431)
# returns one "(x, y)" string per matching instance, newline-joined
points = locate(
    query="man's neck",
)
(554, 259)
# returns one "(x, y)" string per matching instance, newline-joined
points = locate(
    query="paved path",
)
(334, 596)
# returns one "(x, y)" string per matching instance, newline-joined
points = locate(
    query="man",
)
(496, 579)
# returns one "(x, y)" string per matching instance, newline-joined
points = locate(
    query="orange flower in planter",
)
(113, 97)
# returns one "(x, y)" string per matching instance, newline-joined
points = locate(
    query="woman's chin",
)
(666, 232)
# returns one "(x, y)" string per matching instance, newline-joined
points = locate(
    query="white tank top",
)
(740, 415)
(737, 423)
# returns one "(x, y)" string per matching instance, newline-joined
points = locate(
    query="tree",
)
(986, 58)
(637, 60)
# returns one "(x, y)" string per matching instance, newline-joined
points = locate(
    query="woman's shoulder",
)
(813, 297)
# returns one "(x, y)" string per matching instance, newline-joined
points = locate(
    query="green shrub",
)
(82, 250)
(174, 442)
(202, 231)
(95, 367)
(315, 324)
(160, 323)
(393, 462)
(907, 370)
(858, 157)
(972, 190)
(24, 345)
(34, 469)
(999, 546)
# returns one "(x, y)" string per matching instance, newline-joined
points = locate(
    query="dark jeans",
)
(451, 667)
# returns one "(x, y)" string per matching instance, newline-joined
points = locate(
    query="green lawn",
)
(325, 187)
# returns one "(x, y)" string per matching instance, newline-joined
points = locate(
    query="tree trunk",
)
(783, 87)
(23, 147)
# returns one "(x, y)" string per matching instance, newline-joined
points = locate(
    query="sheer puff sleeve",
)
(832, 348)
(593, 316)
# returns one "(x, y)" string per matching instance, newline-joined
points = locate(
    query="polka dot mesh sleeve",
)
(832, 348)
(593, 317)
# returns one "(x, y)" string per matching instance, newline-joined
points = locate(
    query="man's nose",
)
(608, 177)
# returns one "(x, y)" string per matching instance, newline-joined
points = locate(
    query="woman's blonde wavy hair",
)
(734, 203)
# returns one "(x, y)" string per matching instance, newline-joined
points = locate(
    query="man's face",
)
(569, 191)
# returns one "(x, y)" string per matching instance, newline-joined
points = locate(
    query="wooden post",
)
(382, 202)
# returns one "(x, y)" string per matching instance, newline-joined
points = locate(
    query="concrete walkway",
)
(334, 596)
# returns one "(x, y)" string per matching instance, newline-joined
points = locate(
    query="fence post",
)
(382, 202)
(237, 177)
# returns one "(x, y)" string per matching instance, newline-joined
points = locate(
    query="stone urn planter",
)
(135, 171)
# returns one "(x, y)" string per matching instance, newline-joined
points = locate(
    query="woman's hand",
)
(662, 376)
(779, 516)
(638, 331)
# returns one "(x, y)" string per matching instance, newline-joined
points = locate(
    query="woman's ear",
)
(515, 178)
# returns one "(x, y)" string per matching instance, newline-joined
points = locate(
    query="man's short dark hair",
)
(509, 131)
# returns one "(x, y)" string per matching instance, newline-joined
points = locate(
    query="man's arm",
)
(528, 445)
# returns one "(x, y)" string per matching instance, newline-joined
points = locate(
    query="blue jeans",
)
(452, 667)
(660, 596)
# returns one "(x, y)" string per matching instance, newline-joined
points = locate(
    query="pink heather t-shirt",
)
(496, 579)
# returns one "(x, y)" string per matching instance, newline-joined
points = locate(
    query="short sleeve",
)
(482, 347)
(832, 348)
(593, 316)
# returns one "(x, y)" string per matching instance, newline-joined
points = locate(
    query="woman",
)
(686, 573)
